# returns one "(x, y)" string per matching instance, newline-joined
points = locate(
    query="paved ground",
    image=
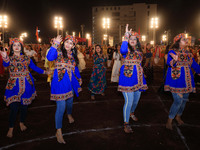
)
(98, 124)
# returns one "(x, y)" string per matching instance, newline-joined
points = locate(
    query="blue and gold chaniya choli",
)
(179, 78)
(131, 77)
(20, 85)
(66, 78)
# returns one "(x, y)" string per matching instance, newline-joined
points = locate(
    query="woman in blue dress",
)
(20, 90)
(179, 78)
(66, 79)
(131, 80)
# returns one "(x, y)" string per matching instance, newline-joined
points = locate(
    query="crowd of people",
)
(132, 68)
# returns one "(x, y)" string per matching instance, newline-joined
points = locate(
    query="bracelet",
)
(57, 42)
(127, 33)
(126, 36)
(55, 45)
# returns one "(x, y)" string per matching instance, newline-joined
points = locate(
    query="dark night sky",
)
(25, 15)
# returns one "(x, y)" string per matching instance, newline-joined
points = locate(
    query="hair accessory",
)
(133, 33)
(72, 38)
(13, 40)
(179, 36)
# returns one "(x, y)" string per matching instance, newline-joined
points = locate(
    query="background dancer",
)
(117, 64)
(97, 82)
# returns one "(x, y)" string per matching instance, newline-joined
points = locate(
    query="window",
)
(148, 13)
(134, 13)
(116, 14)
(115, 19)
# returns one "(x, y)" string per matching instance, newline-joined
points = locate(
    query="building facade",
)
(137, 15)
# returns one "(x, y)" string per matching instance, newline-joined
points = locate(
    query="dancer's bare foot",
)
(169, 124)
(22, 126)
(10, 133)
(179, 120)
(92, 97)
(71, 119)
(59, 136)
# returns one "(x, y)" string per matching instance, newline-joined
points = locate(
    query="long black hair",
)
(138, 46)
(147, 45)
(116, 48)
(30, 47)
(167, 49)
(12, 51)
(176, 45)
(74, 52)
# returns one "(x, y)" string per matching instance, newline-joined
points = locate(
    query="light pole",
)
(154, 26)
(105, 37)
(167, 36)
(186, 35)
(106, 25)
(82, 30)
(152, 42)
(74, 34)
(164, 38)
(88, 38)
(58, 24)
(143, 38)
(3, 25)
(39, 40)
(22, 36)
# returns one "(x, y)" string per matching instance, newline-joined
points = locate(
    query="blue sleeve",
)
(124, 48)
(52, 54)
(6, 64)
(195, 66)
(170, 61)
(35, 68)
(77, 73)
